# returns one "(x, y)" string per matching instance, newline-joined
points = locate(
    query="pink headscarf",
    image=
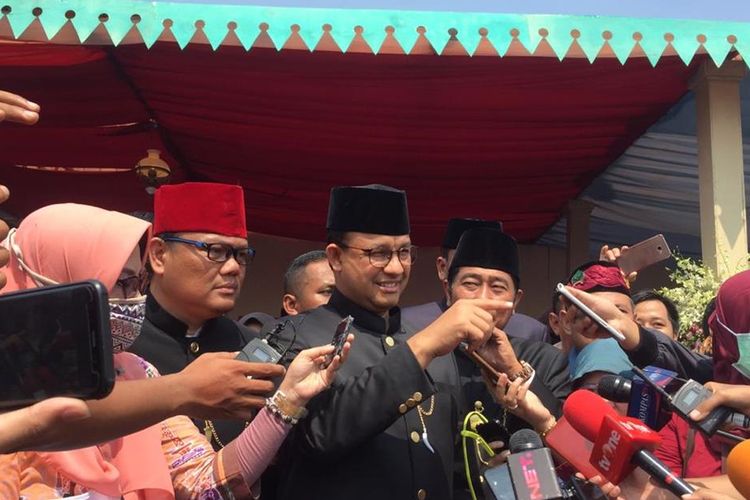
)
(71, 242)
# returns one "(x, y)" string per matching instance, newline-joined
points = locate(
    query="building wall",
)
(542, 268)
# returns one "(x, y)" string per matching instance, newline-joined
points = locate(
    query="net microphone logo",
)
(530, 476)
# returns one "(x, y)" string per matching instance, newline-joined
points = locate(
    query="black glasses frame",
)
(248, 252)
(408, 260)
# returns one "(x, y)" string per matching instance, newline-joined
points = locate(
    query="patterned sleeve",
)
(197, 471)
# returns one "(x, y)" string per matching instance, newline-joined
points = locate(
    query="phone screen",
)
(51, 344)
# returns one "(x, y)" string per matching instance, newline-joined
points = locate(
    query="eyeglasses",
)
(381, 257)
(132, 285)
(218, 252)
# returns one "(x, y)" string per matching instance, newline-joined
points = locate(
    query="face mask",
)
(743, 347)
(16, 249)
(125, 319)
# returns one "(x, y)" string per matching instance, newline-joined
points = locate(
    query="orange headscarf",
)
(71, 242)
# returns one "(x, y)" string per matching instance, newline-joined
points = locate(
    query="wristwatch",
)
(525, 373)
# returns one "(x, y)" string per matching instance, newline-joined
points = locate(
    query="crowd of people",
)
(386, 417)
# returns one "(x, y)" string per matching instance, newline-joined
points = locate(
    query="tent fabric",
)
(372, 31)
(653, 187)
(508, 138)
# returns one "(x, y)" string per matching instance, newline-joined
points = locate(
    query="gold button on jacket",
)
(195, 347)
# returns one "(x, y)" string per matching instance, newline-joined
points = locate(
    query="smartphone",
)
(588, 312)
(644, 254)
(55, 341)
(492, 431)
(339, 338)
(493, 374)
(497, 480)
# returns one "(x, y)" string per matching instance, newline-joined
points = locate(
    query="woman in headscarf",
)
(65, 243)
(685, 451)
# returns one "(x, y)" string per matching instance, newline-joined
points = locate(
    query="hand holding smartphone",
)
(588, 312)
(55, 341)
(644, 254)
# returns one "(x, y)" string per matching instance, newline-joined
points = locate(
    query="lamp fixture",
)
(152, 170)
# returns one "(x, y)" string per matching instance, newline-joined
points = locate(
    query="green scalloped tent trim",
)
(591, 33)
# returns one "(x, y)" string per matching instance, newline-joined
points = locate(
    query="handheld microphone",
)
(644, 402)
(529, 471)
(620, 443)
(647, 404)
(738, 463)
(532, 470)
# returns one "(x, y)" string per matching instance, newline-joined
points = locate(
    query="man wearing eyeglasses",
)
(386, 427)
(198, 260)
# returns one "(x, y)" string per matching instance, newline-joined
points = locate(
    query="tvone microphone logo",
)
(633, 426)
(530, 476)
(608, 450)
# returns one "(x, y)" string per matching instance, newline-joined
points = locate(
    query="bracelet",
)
(525, 373)
(549, 428)
(280, 407)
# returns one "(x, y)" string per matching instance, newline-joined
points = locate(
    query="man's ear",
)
(289, 303)
(517, 299)
(446, 291)
(157, 251)
(441, 264)
(333, 252)
(554, 323)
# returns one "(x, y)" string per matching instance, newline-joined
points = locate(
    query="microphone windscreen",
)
(615, 388)
(585, 410)
(523, 440)
(738, 464)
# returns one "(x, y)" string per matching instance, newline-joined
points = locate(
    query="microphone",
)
(649, 405)
(571, 447)
(738, 463)
(620, 443)
(529, 471)
(517, 478)
(644, 401)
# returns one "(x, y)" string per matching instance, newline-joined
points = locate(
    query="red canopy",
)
(509, 138)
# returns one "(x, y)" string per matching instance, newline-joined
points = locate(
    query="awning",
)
(512, 138)
(370, 31)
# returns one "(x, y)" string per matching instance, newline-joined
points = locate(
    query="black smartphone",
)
(339, 338)
(492, 431)
(55, 341)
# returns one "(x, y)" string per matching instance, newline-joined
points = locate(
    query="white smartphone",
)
(588, 312)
